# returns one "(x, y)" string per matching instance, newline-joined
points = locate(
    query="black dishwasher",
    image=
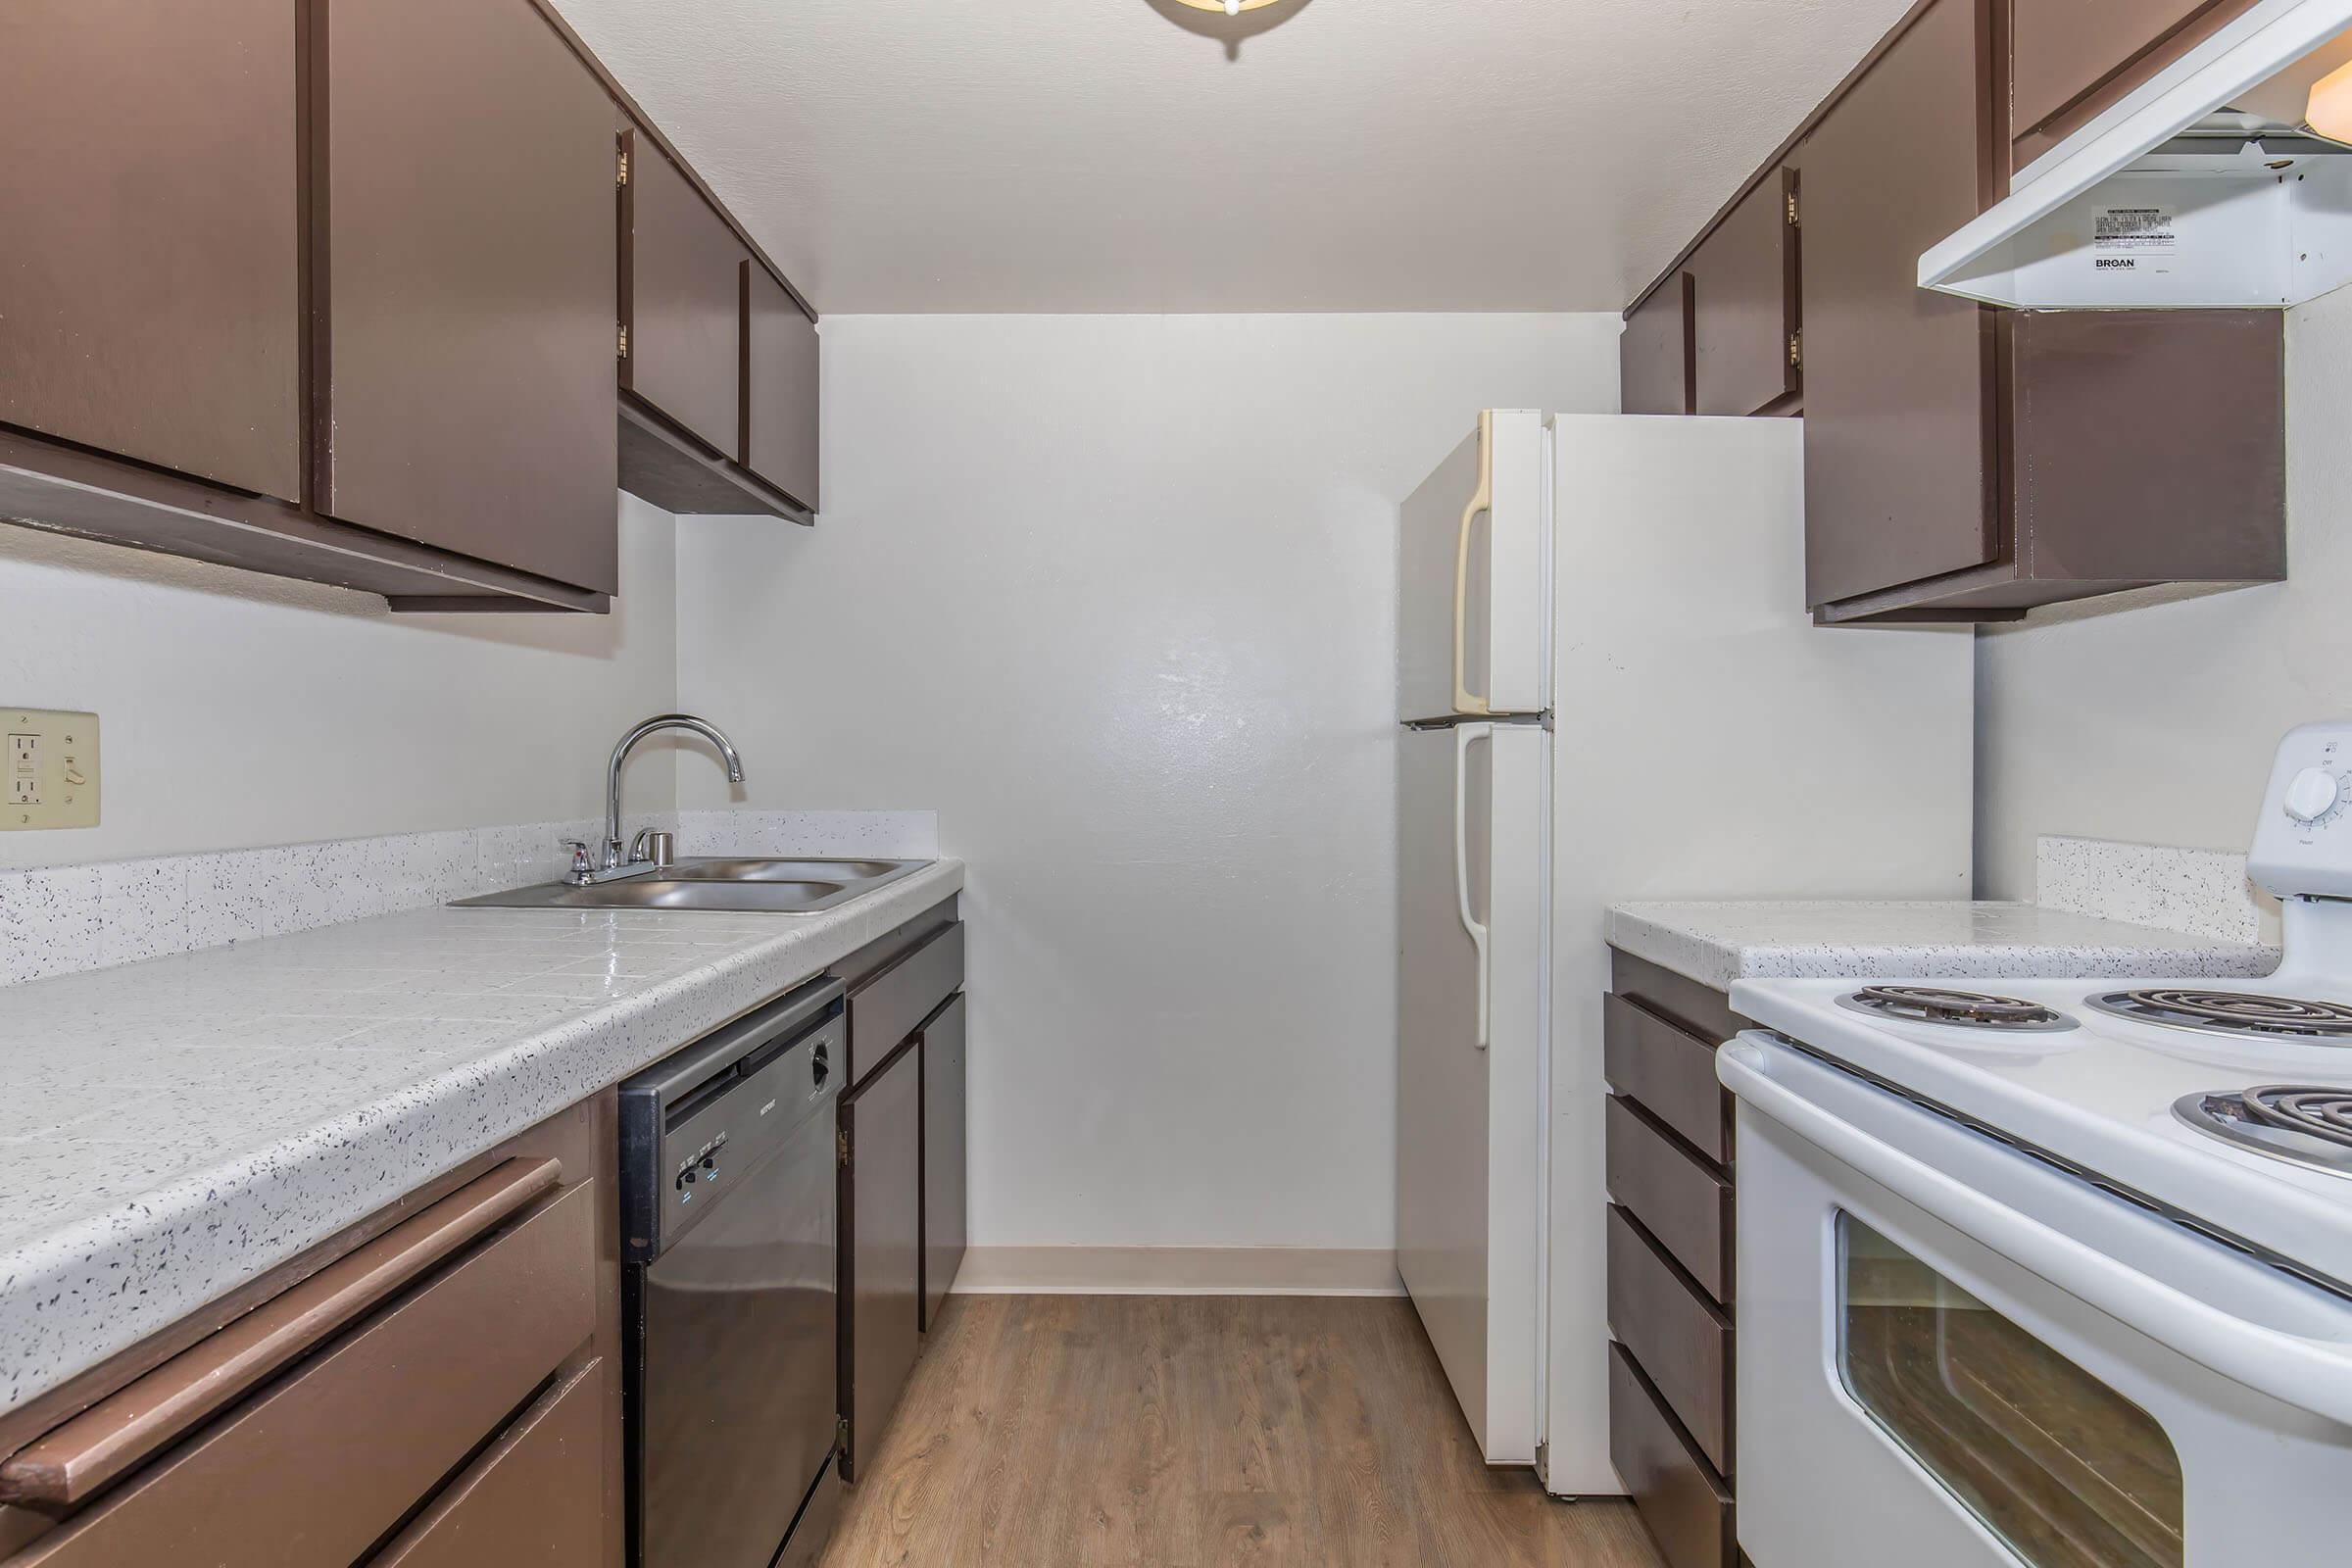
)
(729, 1288)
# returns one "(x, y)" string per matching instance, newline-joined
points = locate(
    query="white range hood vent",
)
(2203, 187)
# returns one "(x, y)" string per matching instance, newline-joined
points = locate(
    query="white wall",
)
(238, 711)
(2156, 724)
(1114, 595)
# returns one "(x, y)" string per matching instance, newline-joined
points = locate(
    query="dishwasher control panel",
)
(699, 1168)
(708, 1116)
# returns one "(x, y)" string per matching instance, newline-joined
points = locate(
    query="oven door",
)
(1953, 1354)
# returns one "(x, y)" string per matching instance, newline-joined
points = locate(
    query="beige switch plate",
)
(49, 771)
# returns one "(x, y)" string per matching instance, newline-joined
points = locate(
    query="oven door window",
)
(2062, 1468)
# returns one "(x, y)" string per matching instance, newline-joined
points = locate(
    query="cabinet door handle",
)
(127, 1427)
(1480, 499)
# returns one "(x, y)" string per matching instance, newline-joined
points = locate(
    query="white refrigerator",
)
(1609, 688)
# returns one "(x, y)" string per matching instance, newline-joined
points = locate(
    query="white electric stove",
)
(2058, 1272)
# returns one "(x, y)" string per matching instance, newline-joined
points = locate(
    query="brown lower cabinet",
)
(437, 1387)
(946, 1084)
(903, 1164)
(497, 1511)
(1686, 1506)
(881, 1250)
(433, 1387)
(1672, 1286)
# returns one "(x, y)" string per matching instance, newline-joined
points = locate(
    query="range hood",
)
(2203, 187)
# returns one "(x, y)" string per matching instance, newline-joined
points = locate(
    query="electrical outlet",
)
(51, 770)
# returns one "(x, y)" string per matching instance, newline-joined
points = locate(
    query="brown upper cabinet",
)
(466, 286)
(1743, 304)
(1964, 462)
(1653, 357)
(328, 289)
(2073, 58)
(719, 355)
(150, 263)
(780, 386)
(1899, 457)
(681, 299)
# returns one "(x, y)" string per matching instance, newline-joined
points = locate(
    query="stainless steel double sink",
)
(774, 887)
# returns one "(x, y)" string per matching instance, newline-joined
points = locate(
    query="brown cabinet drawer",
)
(1687, 1509)
(1683, 1340)
(1679, 1201)
(894, 1002)
(535, 1499)
(315, 1468)
(1670, 1072)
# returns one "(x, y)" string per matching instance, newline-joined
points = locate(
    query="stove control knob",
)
(2312, 794)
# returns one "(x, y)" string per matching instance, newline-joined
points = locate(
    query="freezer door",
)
(1474, 581)
(1471, 880)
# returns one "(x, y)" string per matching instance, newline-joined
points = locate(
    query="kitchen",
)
(1079, 873)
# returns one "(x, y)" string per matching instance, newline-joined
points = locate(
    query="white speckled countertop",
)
(1717, 944)
(170, 1129)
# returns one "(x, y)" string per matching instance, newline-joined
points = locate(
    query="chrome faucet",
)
(619, 860)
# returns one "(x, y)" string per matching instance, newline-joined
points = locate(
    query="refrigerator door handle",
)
(1463, 735)
(1480, 499)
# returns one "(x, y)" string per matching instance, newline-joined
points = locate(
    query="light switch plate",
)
(49, 771)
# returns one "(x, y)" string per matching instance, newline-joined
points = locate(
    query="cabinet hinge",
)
(841, 1433)
(621, 177)
(1796, 350)
(1791, 198)
(624, 349)
(841, 1146)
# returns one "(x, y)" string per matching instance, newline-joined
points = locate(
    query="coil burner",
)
(2237, 1013)
(1963, 1010)
(2306, 1124)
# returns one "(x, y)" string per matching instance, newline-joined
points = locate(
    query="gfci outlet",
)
(51, 777)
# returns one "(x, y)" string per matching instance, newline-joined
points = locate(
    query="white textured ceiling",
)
(1116, 154)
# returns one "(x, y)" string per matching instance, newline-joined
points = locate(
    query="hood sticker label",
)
(2123, 238)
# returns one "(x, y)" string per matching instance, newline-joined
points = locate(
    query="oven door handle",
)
(2314, 1376)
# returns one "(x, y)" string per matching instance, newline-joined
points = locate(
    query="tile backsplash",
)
(2204, 892)
(62, 919)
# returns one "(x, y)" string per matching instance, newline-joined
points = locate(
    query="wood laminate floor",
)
(1198, 1431)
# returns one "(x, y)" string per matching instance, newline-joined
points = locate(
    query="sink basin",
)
(772, 887)
(783, 870)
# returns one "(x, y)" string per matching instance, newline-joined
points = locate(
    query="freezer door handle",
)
(1480, 499)
(1463, 735)
(2314, 1376)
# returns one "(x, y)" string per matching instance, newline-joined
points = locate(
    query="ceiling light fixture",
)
(1232, 7)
